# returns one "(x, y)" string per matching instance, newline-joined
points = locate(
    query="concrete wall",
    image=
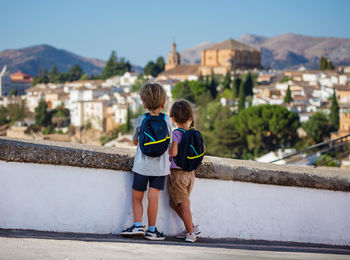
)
(73, 199)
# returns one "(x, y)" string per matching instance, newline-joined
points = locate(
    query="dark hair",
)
(153, 96)
(182, 112)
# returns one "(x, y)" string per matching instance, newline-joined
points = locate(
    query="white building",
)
(18, 81)
(89, 112)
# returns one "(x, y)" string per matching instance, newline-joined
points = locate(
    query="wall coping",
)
(78, 155)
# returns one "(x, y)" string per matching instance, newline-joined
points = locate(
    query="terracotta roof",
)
(231, 44)
(192, 69)
(21, 77)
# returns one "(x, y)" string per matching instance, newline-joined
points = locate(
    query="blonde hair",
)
(153, 96)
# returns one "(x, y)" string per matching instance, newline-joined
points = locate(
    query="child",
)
(180, 181)
(149, 169)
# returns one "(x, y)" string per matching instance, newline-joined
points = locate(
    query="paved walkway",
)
(18, 244)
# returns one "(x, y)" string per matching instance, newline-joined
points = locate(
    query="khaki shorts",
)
(180, 185)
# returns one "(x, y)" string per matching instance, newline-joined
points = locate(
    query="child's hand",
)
(135, 141)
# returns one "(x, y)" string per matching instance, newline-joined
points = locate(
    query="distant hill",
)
(288, 51)
(30, 59)
(44, 56)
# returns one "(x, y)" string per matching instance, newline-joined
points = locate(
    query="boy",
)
(148, 169)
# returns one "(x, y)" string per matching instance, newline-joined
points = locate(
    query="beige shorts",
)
(180, 185)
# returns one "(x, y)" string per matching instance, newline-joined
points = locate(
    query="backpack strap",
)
(180, 129)
(145, 115)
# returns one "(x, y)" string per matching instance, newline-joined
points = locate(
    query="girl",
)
(180, 181)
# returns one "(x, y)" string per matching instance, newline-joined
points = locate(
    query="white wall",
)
(68, 199)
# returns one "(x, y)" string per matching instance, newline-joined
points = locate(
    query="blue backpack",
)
(191, 150)
(154, 135)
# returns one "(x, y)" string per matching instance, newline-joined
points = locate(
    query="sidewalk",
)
(22, 244)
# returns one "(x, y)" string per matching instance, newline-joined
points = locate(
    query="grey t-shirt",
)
(146, 165)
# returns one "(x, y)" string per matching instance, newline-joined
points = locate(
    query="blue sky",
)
(143, 30)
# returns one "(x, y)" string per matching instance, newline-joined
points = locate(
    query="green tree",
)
(334, 115)
(323, 63)
(4, 115)
(128, 125)
(317, 127)
(110, 69)
(42, 116)
(160, 64)
(75, 72)
(13, 92)
(213, 86)
(248, 84)
(227, 80)
(151, 69)
(330, 65)
(183, 90)
(241, 100)
(53, 74)
(266, 128)
(288, 98)
(236, 85)
(16, 112)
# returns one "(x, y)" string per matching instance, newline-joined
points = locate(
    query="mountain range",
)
(286, 51)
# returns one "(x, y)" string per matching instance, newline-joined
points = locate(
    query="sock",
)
(152, 228)
(138, 224)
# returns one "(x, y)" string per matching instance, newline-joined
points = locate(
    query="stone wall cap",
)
(78, 155)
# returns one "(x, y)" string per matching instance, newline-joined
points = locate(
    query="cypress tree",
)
(227, 80)
(323, 63)
(111, 65)
(128, 120)
(212, 86)
(236, 85)
(288, 98)
(241, 101)
(329, 65)
(334, 115)
(248, 85)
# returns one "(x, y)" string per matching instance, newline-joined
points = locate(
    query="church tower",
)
(173, 58)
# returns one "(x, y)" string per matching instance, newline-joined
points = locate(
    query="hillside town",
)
(98, 107)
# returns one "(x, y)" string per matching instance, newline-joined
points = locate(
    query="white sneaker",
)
(182, 235)
(190, 237)
(133, 231)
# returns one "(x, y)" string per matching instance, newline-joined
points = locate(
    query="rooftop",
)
(231, 44)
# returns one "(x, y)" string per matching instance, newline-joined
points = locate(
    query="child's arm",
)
(135, 141)
(173, 149)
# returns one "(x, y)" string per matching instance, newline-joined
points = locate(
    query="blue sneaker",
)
(133, 231)
(156, 235)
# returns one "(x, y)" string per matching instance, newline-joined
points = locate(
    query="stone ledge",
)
(77, 155)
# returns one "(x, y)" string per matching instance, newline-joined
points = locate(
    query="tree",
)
(115, 66)
(236, 85)
(13, 92)
(334, 115)
(266, 128)
(156, 68)
(110, 68)
(16, 112)
(4, 115)
(213, 85)
(75, 72)
(160, 64)
(330, 65)
(317, 127)
(288, 98)
(182, 90)
(128, 126)
(227, 80)
(53, 74)
(241, 101)
(323, 63)
(248, 85)
(42, 116)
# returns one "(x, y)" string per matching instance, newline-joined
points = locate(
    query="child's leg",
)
(176, 207)
(153, 195)
(187, 215)
(137, 205)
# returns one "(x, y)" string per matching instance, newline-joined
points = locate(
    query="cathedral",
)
(218, 59)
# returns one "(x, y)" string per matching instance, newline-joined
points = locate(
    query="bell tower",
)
(173, 58)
